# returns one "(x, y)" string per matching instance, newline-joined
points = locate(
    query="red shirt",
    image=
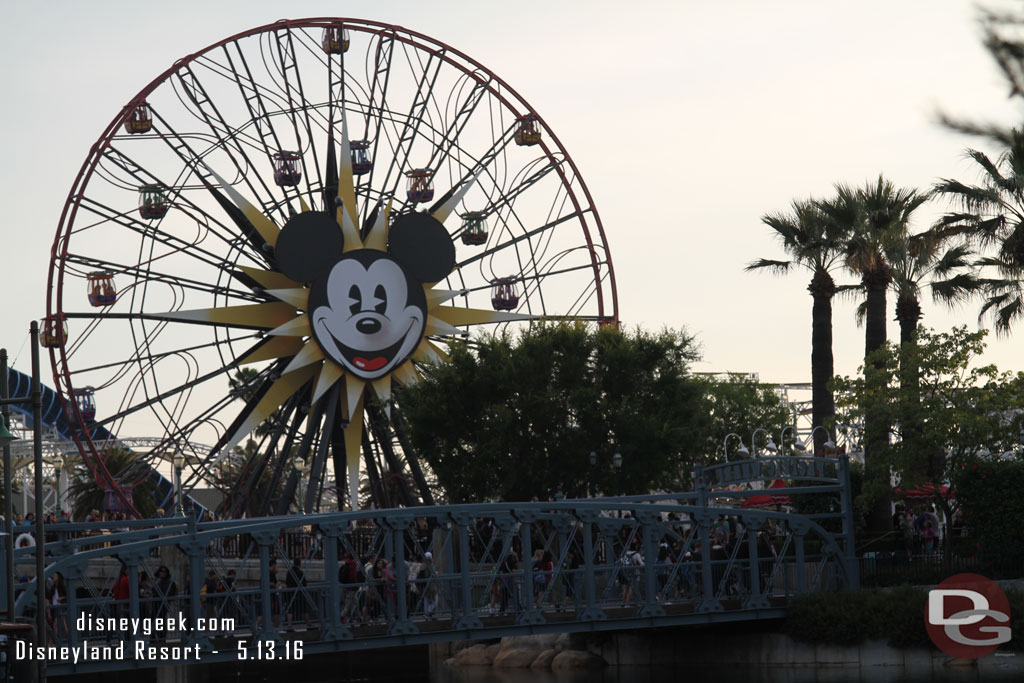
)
(121, 590)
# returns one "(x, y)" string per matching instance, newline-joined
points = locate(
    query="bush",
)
(990, 492)
(896, 616)
(852, 617)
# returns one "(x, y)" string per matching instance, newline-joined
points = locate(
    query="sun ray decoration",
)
(287, 321)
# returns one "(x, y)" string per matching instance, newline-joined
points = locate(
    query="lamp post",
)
(179, 464)
(753, 441)
(829, 444)
(297, 465)
(57, 466)
(782, 438)
(742, 450)
(617, 464)
(6, 438)
(593, 465)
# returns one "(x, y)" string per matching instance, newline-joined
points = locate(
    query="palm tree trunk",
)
(876, 427)
(908, 313)
(823, 406)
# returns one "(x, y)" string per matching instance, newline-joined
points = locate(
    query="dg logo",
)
(967, 616)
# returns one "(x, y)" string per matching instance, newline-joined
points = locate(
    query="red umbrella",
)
(922, 492)
(769, 500)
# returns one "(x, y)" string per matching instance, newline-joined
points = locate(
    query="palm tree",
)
(815, 244)
(924, 260)
(927, 260)
(992, 215)
(127, 469)
(876, 218)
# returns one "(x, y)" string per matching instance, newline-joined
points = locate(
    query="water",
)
(725, 672)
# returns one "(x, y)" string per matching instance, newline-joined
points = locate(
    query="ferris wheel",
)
(280, 227)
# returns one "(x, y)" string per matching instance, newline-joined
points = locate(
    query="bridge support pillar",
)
(183, 673)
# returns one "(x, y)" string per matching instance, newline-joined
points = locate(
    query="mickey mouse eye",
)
(356, 299)
(380, 296)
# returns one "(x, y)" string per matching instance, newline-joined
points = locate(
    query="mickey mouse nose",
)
(368, 326)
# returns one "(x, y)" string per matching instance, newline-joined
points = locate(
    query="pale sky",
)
(687, 120)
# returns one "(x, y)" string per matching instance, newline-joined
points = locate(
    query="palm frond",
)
(775, 267)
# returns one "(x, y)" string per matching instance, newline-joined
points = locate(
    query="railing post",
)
(72, 573)
(709, 601)
(132, 560)
(651, 522)
(335, 630)
(268, 631)
(195, 549)
(591, 612)
(801, 567)
(397, 526)
(850, 564)
(530, 615)
(468, 620)
(755, 600)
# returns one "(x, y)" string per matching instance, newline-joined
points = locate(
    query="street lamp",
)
(829, 444)
(57, 465)
(593, 466)
(742, 450)
(753, 440)
(782, 438)
(297, 466)
(179, 464)
(617, 464)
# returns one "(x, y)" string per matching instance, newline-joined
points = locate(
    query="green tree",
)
(740, 404)
(127, 468)
(957, 409)
(816, 244)
(991, 212)
(992, 215)
(516, 419)
(876, 218)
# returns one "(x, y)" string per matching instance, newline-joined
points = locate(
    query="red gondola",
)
(153, 202)
(335, 40)
(421, 185)
(528, 132)
(140, 120)
(102, 291)
(86, 399)
(287, 171)
(361, 162)
(53, 331)
(503, 294)
(474, 228)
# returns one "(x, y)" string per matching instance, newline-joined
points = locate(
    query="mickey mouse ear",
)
(419, 242)
(309, 245)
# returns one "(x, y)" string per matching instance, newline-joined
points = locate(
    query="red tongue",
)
(370, 365)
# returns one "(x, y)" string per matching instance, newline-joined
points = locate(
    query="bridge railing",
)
(381, 577)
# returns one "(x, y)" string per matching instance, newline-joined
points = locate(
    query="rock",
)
(571, 641)
(515, 657)
(475, 655)
(450, 661)
(544, 659)
(492, 651)
(569, 660)
(543, 641)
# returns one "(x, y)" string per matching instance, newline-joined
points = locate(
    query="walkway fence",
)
(375, 578)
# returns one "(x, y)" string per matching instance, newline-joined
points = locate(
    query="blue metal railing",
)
(377, 578)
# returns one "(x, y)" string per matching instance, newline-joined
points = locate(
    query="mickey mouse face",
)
(368, 315)
(367, 308)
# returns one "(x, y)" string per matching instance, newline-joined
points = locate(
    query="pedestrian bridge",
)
(320, 583)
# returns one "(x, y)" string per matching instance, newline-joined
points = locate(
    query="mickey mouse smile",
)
(366, 360)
